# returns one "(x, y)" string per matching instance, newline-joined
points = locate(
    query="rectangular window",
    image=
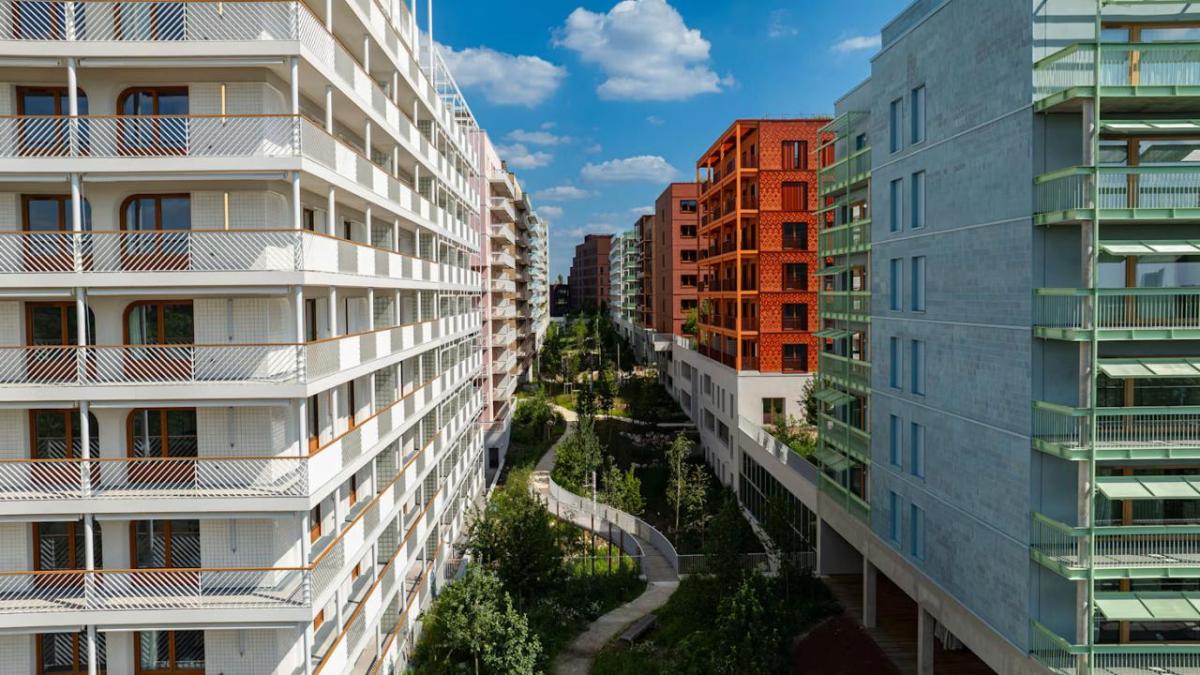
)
(687, 231)
(918, 367)
(795, 155)
(918, 284)
(896, 280)
(795, 196)
(896, 205)
(894, 442)
(795, 358)
(894, 522)
(917, 105)
(687, 256)
(917, 216)
(916, 535)
(687, 205)
(687, 280)
(795, 236)
(895, 125)
(795, 316)
(772, 410)
(916, 449)
(894, 362)
(795, 277)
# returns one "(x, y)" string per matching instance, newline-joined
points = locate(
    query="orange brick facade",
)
(744, 251)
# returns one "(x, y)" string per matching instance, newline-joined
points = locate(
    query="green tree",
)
(749, 638)
(606, 390)
(811, 405)
(585, 399)
(796, 436)
(577, 457)
(695, 498)
(725, 543)
(535, 414)
(622, 490)
(517, 539)
(689, 324)
(474, 622)
(677, 473)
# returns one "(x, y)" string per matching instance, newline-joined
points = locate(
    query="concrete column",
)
(370, 309)
(331, 213)
(870, 580)
(294, 84)
(329, 109)
(925, 625)
(297, 207)
(367, 139)
(367, 218)
(333, 392)
(329, 15)
(367, 53)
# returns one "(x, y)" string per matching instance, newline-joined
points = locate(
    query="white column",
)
(367, 218)
(396, 161)
(72, 97)
(294, 84)
(333, 392)
(297, 207)
(329, 109)
(305, 550)
(370, 309)
(396, 234)
(367, 139)
(395, 86)
(331, 213)
(329, 15)
(367, 53)
(85, 452)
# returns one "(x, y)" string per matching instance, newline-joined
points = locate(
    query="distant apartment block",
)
(560, 300)
(516, 313)
(588, 279)
(674, 275)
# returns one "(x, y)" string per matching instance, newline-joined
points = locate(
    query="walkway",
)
(577, 657)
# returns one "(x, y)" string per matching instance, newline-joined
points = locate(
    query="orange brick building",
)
(757, 189)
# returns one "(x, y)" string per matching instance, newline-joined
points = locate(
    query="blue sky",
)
(598, 105)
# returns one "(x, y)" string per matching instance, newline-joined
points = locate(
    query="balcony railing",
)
(1132, 432)
(1118, 550)
(1159, 66)
(854, 236)
(236, 250)
(26, 593)
(851, 371)
(847, 171)
(1120, 309)
(1123, 189)
(795, 365)
(846, 302)
(795, 323)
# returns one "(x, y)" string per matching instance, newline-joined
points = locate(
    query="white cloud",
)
(655, 120)
(778, 26)
(591, 228)
(504, 79)
(857, 43)
(645, 49)
(550, 212)
(546, 126)
(648, 168)
(642, 210)
(519, 156)
(537, 137)
(561, 193)
(594, 148)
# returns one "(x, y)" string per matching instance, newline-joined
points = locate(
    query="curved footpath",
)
(661, 580)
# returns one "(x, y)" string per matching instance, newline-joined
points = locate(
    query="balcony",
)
(795, 365)
(30, 599)
(794, 323)
(851, 304)
(1063, 658)
(1133, 433)
(853, 237)
(852, 373)
(502, 210)
(109, 256)
(1121, 552)
(1144, 193)
(846, 437)
(847, 173)
(1120, 314)
(1133, 75)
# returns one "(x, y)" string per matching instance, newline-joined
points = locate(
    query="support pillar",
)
(925, 625)
(331, 213)
(329, 109)
(870, 583)
(297, 206)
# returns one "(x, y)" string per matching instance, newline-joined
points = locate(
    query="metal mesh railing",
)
(1156, 428)
(1119, 308)
(148, 364)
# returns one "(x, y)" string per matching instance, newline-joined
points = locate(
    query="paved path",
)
(577, 657)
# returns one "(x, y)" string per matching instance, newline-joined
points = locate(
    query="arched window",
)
(163, 127)
(155, 224)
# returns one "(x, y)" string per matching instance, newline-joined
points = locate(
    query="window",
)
(894, 362)
(687, 256)
(896, 281)
(895, 116)
(894, 442)
(894, 523)
(918, 283)
(772, 410)
(795, 236)
(314, 424)
(687, 304)
(795, 316)
(795, 196)
(860, 142)
(353, 493)
(687, 231)
(46, 133)
(896, 205)
(795, 155)
(687, 280)
(917, 216)
(314, 523)
(916, 449)
(161, 433)
(795, 358)
(916, 534)
(917, 106)
(309, 220)
(164, 131)
(687, 205)
(795, 277)
(918, 367)
(153, 322)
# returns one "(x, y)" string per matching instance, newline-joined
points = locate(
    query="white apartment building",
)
(239, 335)
(516, 313)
